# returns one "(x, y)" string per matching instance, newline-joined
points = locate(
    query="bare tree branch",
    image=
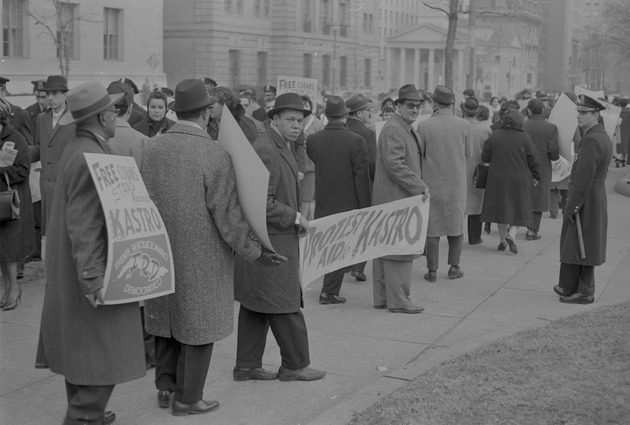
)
(435, 8)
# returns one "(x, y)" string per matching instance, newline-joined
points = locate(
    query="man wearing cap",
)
(479, 133)
(19, 117)
(183, 167)
(272, 298)
(94, 346)
(50, 141)
(138, 114)
(545, 138)
(342, 178)
(397, 176)
(587, 202)
(40, 105)
(358, 119)
(445, 151)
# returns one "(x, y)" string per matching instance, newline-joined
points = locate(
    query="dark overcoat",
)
(545, 138)
(21, 122)
(33, 112)
(192, 182)
(479, 133)
(49, 146)
(356, 126)
(276, 289)
(342, 178)
(16, 235)
(398, 167)
(624, 129)
(587, 197)
(513, 162)
(89, 346)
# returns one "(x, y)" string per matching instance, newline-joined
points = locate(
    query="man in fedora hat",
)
(342, 178)
(272, 298)
(50, 140)
(398, 176)
(94, 346)
(479, 133)
(19, 117)
(587, 200)
(358, 120)
(545, 137)
(184, 167)
(445, 150)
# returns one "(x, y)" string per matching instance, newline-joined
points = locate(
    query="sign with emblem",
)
(139, 258)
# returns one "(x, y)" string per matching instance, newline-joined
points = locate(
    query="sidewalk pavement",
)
(368, 353)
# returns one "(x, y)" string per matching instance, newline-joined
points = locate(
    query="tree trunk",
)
(450, 43)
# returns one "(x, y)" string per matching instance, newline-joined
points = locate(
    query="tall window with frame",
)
(13, 28)
(326, 16)
(261, 68)
(343, 71)
(326, 70)
(368, 72)
(308, 65)
(235, 67)
(112, 36)
(307, 19)
(66, 30)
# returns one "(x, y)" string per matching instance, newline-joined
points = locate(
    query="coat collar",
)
(443, 112)
(336, 126)
(188, 130)
(283, 146)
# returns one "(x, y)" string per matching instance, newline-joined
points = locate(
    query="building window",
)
(112, 37)
(261, 68)
(228, 6)
(308, 65)
(497, 58)
(12, 29)
(326, 70)
(325, 8)
(368, 73)
(306, 16)
(257, 7)
(266, 8)
(343, 71)
(235, 67)
(343, 27)
(66, 34)
(239, 7)
(529, 78)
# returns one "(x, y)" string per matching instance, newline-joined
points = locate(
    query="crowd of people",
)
(323, 159)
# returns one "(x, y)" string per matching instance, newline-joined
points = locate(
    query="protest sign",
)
(341, 240)
(564, 116)
(299, 85)
(139, 259)
(578, 90)
(252, 177)
(378, 126)
(610, 117)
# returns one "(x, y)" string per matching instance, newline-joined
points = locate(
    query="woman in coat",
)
(514, 167)
(14, 234)
(225, 98)
(156, 122)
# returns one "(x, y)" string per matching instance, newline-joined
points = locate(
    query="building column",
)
(403, 54)
(430, 83)
(389, 57)
(416, 68)
(461, 79)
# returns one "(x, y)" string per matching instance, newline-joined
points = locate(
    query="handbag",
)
(480, 176)
(9, 203)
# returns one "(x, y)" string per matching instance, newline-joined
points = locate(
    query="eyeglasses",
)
(410, 105)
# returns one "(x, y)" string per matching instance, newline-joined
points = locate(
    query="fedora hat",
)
(336, 107)
(357, 103)
(86, 100)
(288, 101)
(444, 95)
(588, 104)
(408, 92)
(471, 105)
(56, 83)
(190, 95)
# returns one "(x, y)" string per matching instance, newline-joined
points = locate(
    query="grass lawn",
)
(572, 371)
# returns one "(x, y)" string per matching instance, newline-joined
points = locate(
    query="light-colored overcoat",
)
(398, 167)
(479, 133)
(89, 346)
(445, 150)
(275, 290)
(587, 197)
(191, 180)
(545, 138)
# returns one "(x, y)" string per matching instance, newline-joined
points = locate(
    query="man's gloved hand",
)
(270, 258)
(571, 218)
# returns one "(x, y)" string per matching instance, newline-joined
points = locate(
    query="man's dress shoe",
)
(412, 309)
(304, 374)
(255, 373)
(455, 272)
(430, 276)
(577, 298)
(109, 417)
(164, 398)
(532, 236)
(325, 298)
(358, 275)
(198, 408)
(562, 292)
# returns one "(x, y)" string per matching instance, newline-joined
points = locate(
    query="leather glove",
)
(270, 258)
(571, 218)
